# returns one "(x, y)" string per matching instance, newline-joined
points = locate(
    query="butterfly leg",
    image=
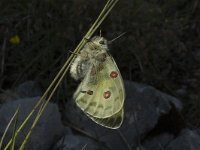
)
(89, 92)
(74, 53)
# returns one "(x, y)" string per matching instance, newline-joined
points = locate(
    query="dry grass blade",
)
(84, 147)
(14, 130)
(8, 125)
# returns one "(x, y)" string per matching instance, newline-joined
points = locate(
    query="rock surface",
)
(25, 90)
(48, 129)
(71, 141)
(29, 89)
(159, 142)
(187, 140)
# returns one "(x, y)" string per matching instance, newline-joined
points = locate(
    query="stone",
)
(72, 141)
(28, 89)
(159, 142)
(187, 140)
(48, 129)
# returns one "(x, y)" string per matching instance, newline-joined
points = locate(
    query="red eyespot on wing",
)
(106, 94)
(113, 74)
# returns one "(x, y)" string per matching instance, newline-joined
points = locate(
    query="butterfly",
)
(101, 92)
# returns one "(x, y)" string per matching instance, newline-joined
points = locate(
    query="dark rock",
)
(28, 89)
(75, 142)
(187, 140)
(25, 90)
(159, 142)
(48, 129)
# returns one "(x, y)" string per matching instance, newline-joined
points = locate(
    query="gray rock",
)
(187, 140)
(25, 90)
(76, 142)
(48, 129)
(143, 107)
(141, 148)
(159, 142)
(28, 89)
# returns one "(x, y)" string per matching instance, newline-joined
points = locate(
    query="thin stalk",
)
(14, 130)
(7, 127)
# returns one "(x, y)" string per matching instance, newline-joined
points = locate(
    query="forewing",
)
(106, 96)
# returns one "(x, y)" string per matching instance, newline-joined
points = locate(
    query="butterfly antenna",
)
(109, 42)
(100, 33)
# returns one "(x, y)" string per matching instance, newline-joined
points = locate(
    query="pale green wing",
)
(112, 122)
(104, 93)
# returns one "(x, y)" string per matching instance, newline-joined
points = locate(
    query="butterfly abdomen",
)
(79, 68)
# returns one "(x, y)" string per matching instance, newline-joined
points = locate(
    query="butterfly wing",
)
(112, 122)
(101, 94)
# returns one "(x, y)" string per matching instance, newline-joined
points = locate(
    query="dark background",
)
(161, 47)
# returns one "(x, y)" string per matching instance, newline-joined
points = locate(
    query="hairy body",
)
(93, 53)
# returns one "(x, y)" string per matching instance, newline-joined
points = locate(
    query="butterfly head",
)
(100, 42)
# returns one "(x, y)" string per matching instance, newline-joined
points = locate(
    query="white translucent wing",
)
(112, 122)
(101, 94)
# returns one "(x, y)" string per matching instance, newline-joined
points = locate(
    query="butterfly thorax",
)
(93, 54)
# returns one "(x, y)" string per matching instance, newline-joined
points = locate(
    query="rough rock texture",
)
(29, 89)
(144, 105)
(187, 140)
(71, 141)
(48, 129)
(159, 142)
(25, 90)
